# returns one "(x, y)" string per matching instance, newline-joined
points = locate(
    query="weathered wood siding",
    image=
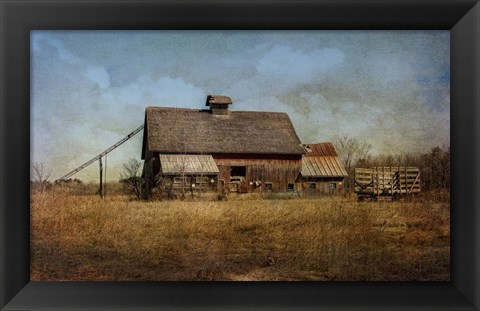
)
(277, 170)
(147, 172)
(387, 180)
(151, 167)
(262, 172)
(321, 185)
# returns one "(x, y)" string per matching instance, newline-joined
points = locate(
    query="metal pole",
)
(105, 182)
(100, 190)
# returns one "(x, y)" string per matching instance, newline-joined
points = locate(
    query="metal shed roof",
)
(321, 160)
(187, 164)
(322, 166)
(321, 149)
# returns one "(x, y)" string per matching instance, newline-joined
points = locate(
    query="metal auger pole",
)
(100, 190)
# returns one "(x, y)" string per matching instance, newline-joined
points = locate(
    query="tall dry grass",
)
(334, 238)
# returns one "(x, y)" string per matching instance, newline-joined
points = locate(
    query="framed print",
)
(321, 207)
(43, 41)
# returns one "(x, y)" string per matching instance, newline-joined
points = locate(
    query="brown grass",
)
(333, 238)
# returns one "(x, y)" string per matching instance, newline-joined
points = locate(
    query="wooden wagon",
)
(388, 183)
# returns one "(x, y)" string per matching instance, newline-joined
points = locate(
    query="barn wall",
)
(151, 167)
(156, 164)
(147, 178)
(322, 185)
(279, 171)
(201, 182)
(147, 170)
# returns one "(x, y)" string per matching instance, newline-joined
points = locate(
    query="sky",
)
(89, 89)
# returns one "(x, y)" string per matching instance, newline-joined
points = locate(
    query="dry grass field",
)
(77, 237)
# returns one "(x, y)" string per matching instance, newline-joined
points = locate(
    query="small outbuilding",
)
(322, 170)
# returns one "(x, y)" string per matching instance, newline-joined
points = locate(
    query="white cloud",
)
(283, 62)
(93, 115)
(41, 42)
(145, 91)
(267, 103)
(77, 113)
(99, 76)
(282, 69)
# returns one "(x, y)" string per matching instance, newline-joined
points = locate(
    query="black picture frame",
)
(18, 17)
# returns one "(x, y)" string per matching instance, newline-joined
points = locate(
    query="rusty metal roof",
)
(187, 164)
(322, 166)
(321, 160)
(321, 149)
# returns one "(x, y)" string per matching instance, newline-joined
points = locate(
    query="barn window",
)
(333, 185)
(180, 180)
(312, 185)
(238, 171)
(290, 187)
(201, 180)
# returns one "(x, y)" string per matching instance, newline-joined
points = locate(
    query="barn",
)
(322, 171)
(217, 148)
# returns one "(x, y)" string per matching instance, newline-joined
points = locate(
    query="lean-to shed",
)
(251, 150)
(322, 171)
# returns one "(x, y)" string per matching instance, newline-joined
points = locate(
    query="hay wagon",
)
(387, 183)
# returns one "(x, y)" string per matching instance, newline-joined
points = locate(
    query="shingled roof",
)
(193, 131)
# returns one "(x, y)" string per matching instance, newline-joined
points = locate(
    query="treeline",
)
(434, 165)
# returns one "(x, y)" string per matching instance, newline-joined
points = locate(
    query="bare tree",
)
(434, 165)
(436, 168)
(40, 175)
(352, 152)
(130, 178)
(445, 168)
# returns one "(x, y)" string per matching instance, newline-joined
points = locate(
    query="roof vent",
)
(218, 104)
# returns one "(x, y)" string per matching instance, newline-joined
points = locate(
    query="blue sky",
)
(90, 88)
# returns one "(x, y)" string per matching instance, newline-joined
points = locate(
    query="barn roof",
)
(181, 130)
(187, 164)
(321, 149)
(321, 160)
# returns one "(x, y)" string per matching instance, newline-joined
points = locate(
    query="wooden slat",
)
(388, 180)
(361, 169)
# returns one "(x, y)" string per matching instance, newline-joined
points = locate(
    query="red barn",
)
(243, 151)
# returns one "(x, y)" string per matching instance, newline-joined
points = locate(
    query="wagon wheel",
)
(363, 198)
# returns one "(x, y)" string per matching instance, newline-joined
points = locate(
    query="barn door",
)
(238, 177)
